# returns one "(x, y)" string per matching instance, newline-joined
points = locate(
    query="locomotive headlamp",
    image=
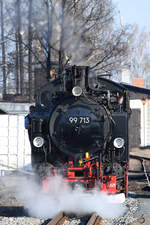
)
(119, 142)
(38, 142)
(77, 91)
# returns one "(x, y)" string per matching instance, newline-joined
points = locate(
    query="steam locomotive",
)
(80, 131)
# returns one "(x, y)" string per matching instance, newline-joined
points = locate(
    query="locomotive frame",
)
(80, 131)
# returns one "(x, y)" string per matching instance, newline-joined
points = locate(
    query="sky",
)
(134, 12)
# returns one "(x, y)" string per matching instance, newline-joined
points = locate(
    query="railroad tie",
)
(94, 219)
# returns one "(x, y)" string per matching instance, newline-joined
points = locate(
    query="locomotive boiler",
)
(80, 131)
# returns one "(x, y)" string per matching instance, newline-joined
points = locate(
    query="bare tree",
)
(30, 38)
(49, 13)
(17, 77)
(80, 32)
(86, 34)
(138, 54)
(3, 48)
(20, 45)
(61, 49)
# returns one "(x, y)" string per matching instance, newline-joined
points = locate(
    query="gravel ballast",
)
(131, 204)
(19, 216)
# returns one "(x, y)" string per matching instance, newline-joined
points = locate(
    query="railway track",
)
(61, 218)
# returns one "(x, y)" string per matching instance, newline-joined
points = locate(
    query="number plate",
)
(79, 120)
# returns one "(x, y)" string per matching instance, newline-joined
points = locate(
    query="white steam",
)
(60, 197)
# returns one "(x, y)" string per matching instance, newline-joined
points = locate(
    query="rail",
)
(138, 157)
(143, 165)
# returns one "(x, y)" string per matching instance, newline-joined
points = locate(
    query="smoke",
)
(60, 197)
(65, 30)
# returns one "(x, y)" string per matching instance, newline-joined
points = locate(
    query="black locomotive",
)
(80, 130)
